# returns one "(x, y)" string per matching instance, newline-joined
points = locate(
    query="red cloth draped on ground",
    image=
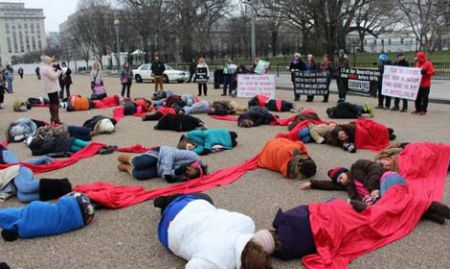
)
(4, 143)
(114, 196)
(110, 101)
(119, 113)
(341, 234)
(88, 151)
(371, 135)
(225, 118)
(293, 134)
(39, 105)
(166, 110)
(278, 121)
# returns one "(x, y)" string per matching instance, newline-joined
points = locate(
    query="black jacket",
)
(178, 123)
(158, 68)
(402, 63)
(344, 111)
(50, 145)
(258, 115)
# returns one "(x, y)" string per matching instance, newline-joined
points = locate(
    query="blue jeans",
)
(27, 185)
(10, 157)
(82, 133)
(391, 181)
(10, 85)
(303, 135)
(144, 167)
(227, 83)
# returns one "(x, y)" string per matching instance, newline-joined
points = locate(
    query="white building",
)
(22, 30)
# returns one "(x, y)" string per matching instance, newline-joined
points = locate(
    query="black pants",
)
(205, 89)
(422, 99)
(227, 86)
(397, 103)
(342, 85)
(382, 98)
(126, 87)
(2, 94)
(61, 93)
(153, 117)
(164, 201)
(53, 98)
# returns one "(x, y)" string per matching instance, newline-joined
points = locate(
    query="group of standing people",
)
(6, 82)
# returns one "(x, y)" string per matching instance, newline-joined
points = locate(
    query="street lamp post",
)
(116, 27)
(252, 5)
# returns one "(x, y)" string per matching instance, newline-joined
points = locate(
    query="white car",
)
(144, 72)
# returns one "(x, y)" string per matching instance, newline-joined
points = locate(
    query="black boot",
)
(440, 209)
(50, 189)
(9, 236)
(433, 217)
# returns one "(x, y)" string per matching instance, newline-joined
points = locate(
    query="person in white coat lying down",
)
(207, 237)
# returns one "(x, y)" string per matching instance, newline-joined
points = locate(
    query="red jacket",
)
(427, 66)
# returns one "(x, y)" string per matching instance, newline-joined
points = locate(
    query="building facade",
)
(22, 30)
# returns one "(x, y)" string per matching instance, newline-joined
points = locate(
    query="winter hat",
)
(264, 239)
(86, 207)
(336, 172)
(308, 168)
(106, 126)
(383, 58)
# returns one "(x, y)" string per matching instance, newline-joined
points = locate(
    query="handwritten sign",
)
(402, 82)
(311, 83)
(251, 85)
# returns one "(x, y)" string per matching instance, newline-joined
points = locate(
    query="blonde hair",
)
(97, 65)
(201, 60)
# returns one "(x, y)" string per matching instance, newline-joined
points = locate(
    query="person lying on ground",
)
(22, 128)
(276, 105)
(9, 157)
(159, 113)
(223, 108)
(167, 162)
(255, 116)
(208, 141)
(289, 158)
(315, 132)
(197, 108)
(55, 146)
(101, 124)
(71, 212)
(192, 228)
(179, 123)
(350, 111)
(343, 136)
(302, 116)
(77, 132)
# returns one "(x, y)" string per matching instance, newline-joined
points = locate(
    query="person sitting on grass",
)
(192, 228)
(208, 141)
(167, 162)
(289, 158)
(71, 212)
(346, 110)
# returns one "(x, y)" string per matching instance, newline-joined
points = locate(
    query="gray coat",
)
(171, 158)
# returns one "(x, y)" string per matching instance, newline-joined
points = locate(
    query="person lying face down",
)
(387, 157)
(255, 116)
(223, 108)
(70, 212)
(302, 116)
(289, 158)
(277, 105)
(172, 164)
(192, 228)
(207, 141)
(346, 110)
(179, 123)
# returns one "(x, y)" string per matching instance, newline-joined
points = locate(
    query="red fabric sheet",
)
(371, 135)
(88, 151)
(225, 118)
(39, 105)
(119, 113)
(114, 196)
(278, 121)
(110, 101)
(341, 234)
(293, 134)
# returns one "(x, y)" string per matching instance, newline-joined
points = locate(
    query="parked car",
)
(144, 72)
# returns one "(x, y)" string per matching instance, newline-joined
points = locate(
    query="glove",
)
(350, 147)
(423, 72)
(180, 170)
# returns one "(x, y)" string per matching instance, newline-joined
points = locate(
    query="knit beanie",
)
(308, 168)
(86, 207)
(336, 172)
(264, 239)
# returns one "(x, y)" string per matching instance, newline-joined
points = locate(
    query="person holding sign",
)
(229, 74)
(326, 65)
(310, 66)
(401, 62)
(342, 83)
(202, 76)
(384, 60)
(425, 84)
(296, 65)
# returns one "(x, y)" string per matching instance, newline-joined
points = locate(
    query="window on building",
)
(8, 41)
(39, 45)
(402, 40)
(389, 41)
(16, 45)
(33, 42)
(374, 41)
(32, 28)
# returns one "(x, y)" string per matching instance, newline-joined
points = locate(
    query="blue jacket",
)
(170, 158)
(42, 218)
(206, 139)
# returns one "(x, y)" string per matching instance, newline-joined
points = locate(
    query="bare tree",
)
(273, 13)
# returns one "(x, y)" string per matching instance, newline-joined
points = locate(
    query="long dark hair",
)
(254, 257)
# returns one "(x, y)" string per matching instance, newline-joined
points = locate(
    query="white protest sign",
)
(251, 85)
(401, 82)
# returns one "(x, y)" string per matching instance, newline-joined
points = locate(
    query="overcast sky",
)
(55, 11)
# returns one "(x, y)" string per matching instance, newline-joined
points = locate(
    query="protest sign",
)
(402, 82)
(261, 67)
(361, 81)
(311, 83)
(201, 75)
(251, 85)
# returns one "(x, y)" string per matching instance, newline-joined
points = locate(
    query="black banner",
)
(361, 81)
(201, 75)
(311, 83)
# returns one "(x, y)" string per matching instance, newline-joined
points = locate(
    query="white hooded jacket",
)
(209, 238)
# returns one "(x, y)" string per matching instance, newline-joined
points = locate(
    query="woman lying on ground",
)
(71, 212)
(192, 228)
(60, 146)
(302, 116)
(172, 164)
(255, 116)
(350, 111)
(208, 141)
(22, 128)
(276, 105)
(223, 108)
(179, 123)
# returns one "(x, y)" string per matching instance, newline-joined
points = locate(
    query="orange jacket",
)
(277, 153)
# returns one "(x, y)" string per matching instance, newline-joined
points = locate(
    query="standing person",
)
(20, 72)
(38, 72)
(310, 66)
(384, 60)
(9, 76)
(327, 66)
(296, 65)
(229, 73)
(66, 80)
(97, 86)
(202, 64)
(192, 69)
(342, 83)
(50, 83)
(126, 79)
(401, 62)
(425, 84)
(2, 87)
(158, 69)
